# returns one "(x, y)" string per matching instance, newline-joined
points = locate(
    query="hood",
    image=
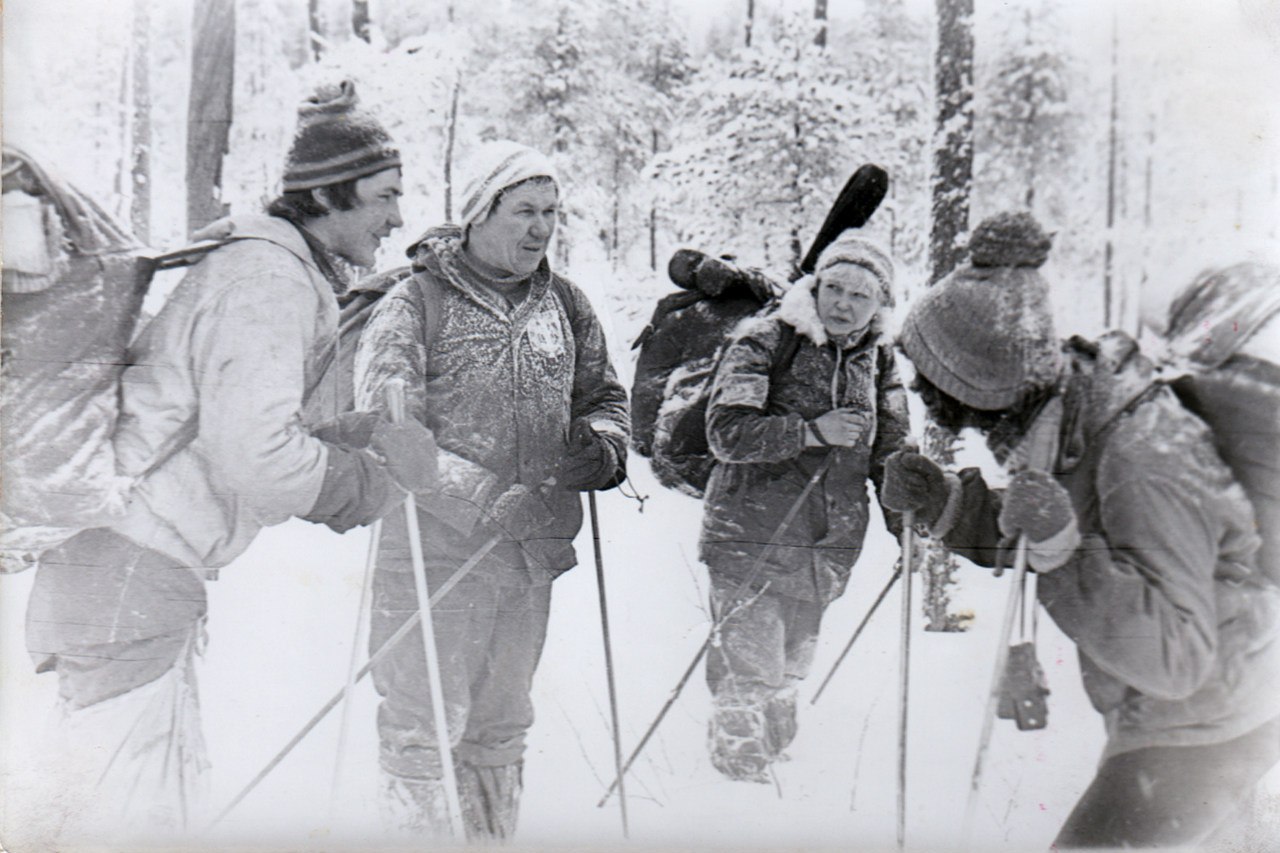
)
(799, 309)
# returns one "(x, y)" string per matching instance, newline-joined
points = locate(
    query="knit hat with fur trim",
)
(852, 248)
(492, 168)
(984, 335)
(336, 142)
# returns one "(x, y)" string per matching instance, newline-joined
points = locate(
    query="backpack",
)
(679, 351)
(1216, 368)
(73, 290)
(682, 459)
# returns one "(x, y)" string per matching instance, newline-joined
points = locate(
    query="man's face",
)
(848, 297)
(515, 235)
(357, 233)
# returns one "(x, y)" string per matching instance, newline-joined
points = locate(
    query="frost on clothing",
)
(499, 387)
(1178, 633)
(212, 409)
(757, 431)
(74, 283)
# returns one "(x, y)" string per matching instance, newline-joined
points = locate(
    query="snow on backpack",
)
(1223, 337)
(73, 283)
(681, 346)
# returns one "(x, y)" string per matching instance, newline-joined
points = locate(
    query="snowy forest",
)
(1143, 134)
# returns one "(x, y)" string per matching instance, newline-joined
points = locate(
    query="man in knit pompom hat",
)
(1144, 544)
(506, 363)
(219, 436)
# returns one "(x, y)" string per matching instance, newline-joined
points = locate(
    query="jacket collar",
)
(799, 309)
(275, 230)
(438, 252)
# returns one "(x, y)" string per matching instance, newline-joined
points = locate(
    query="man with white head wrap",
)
(506, 363)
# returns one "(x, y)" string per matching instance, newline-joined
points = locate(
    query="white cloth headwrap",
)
(492, 168)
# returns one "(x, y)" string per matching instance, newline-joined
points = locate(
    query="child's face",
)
(848, 296)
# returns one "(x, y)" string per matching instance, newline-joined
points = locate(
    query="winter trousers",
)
(132, 767)
(489, 632)
(764, 649)
(1170, 796)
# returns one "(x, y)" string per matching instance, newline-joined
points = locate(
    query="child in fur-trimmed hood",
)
(805, 406)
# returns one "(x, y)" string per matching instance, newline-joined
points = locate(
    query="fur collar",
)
(799, 309)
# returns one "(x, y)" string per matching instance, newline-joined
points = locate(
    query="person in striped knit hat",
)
(215, 442)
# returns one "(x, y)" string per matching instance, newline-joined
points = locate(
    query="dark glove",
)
(591, 463)
(408, 451)
(352, 430)
(1036, 505)
(914, 483)
(518, 511)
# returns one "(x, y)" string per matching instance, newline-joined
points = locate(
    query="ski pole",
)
(385, 649)
(997, 681)
(395, 402)
(366, 586)
(715, 627)
(897, 573)
(608, 661)
(904, 671)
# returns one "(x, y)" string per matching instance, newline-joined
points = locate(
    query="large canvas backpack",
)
(1223, 334)
(74, 282)
(680, 347)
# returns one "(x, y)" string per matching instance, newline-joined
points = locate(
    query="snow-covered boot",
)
(490, 800)
(738, 742)
(414, 807)
(780, 721)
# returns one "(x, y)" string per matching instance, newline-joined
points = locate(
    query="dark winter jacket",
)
(756, 429)
(1178, 632)
(499, 388)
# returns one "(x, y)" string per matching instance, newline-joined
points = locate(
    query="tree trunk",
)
(451, 136)
(360, 19)
(953, 141)
(209, 110)
(140, 207)
(952, 183)
(820, 14)
(315, 17)
(1113, 144)
(751, 19)
(653, 219)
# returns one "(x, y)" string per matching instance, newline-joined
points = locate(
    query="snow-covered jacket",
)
(213, 437)
(1177, 631)
(498, 387)
(212, 421)
(756, 425)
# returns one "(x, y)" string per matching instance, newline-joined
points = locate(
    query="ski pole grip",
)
(394, 392)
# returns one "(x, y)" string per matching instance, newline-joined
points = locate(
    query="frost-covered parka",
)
(756, 425)
(214, 440)
(1178, 632)
(499, 388)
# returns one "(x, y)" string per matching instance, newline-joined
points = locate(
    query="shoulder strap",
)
(432, 305)
(786, 352)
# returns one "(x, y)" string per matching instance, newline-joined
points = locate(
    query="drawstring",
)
(634, 495)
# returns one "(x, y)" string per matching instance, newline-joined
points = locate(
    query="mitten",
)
(913, 483)
(591, 463)
(1036, 505)
(408, 451)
